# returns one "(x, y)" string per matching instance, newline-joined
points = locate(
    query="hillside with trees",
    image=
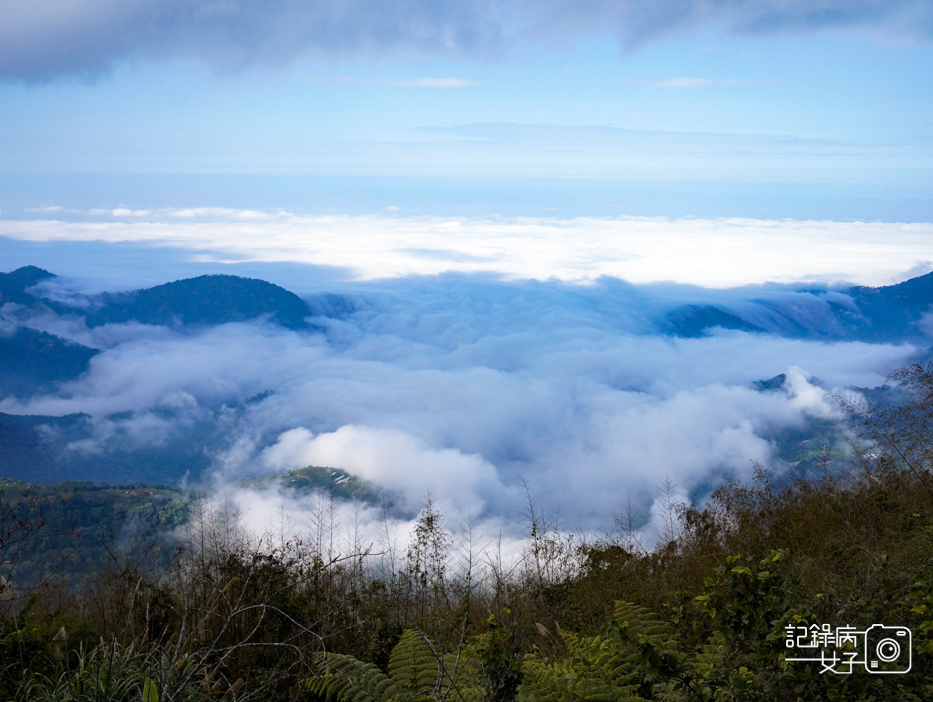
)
(701, 616)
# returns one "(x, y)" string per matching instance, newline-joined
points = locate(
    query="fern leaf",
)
(413, 664)
(346, 679)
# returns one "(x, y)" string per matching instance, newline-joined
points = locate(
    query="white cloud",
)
(119, 212)
(687, 82)
(220, 213)
(466, 382)
(709, 252)
(808, 397)
(465, 385)
(435, 83)
(395, 461)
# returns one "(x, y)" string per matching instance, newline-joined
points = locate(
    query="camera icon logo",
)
(887, 649)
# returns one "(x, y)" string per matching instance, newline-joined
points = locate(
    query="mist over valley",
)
(472, 387)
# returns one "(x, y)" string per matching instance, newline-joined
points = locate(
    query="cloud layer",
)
(469, 385)
(709, 252)
(45, 39)
(469, 354)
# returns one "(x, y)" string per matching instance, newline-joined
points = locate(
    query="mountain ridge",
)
(885, 313)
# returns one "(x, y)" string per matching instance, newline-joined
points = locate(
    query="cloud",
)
(466, 384)
(808, 397)
(216, 213)
(686, 82)
(435, 83)
(417, 83)
(527, 360)
(395, 461)
(119, 212)
(45, 39)
(720, 252)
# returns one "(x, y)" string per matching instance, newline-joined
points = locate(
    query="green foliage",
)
(483, 668)
(414, 664)
(114, 673)
(634, 657)
(347, 679)
(150, 691)
(415, 673)
(498, 654)
(335, 482)
(77, 517)
(740, 652)
(700, 618)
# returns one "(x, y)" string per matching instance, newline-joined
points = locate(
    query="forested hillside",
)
(701, 616)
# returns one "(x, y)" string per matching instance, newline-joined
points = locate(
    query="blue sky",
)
(123, 114)
(819, 101)
(757, 96)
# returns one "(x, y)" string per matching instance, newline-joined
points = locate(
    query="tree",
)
(21, 522)
(898, 435)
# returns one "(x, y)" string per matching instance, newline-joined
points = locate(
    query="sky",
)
(503, 193)
(753, 108)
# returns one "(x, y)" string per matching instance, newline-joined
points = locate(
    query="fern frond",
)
(596, 669)
(346, 679)
(463, 674)
(413, 664)
(642, 621)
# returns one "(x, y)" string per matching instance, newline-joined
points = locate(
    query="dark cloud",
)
(46, 39)
(42, 40)
(639, 21)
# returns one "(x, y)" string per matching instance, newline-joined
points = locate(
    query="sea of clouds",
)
(508, 357)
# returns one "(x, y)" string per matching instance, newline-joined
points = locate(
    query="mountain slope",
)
(894, 309)
(693, 321)
(890, 313)
(34, 362)
(13, 285)
(205, 300)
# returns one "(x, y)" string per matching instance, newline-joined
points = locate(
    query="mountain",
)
(26, 451)
(334, 482)
(49, 449)
(34, 361)
(894, 310)
(124, 446)
(13, 285)
(692, 321)
(890, 313)
(86, 524)
(205, 300)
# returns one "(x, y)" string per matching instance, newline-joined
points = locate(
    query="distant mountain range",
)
(205, 300)
(890, 313)
(35, 362)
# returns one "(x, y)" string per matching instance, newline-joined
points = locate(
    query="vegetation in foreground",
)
(703, 616)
